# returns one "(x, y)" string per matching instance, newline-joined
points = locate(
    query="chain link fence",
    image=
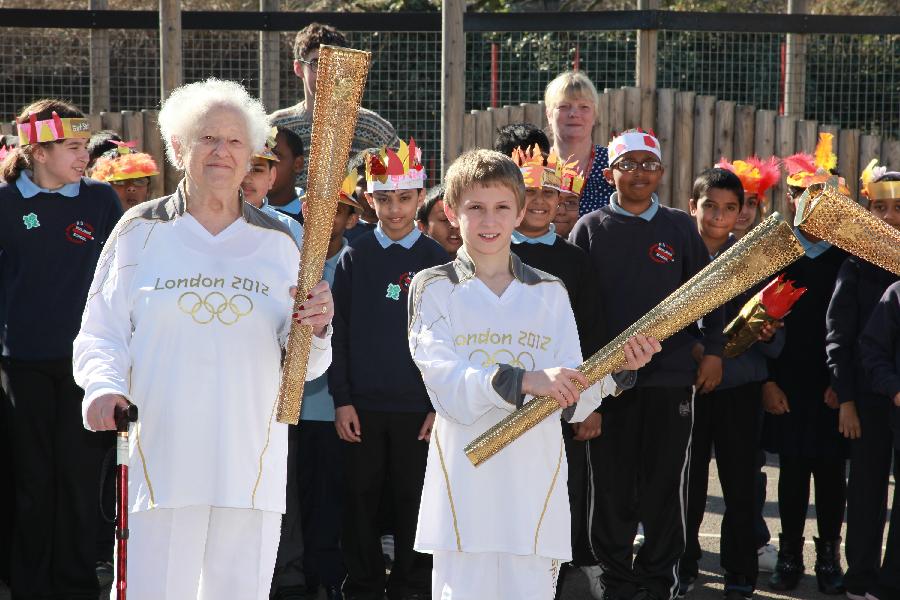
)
(850, 80)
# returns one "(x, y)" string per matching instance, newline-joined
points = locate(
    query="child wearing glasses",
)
(643, 251)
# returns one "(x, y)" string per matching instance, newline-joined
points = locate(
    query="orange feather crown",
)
(756, 175)
(805, 170)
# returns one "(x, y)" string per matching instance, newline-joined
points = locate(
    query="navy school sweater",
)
(573, 267)
(371, 367)
(859, 287)
(50, 245)
(638, 263)
(880, 351)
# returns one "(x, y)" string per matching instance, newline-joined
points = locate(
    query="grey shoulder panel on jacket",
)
(258, 218)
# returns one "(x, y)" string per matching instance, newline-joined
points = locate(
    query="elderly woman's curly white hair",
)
(185, 106)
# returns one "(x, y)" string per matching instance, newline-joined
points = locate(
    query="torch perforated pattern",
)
(826, 213)
(767, 249)
(341, 78)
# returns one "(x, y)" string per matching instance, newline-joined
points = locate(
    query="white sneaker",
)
(638, 542)
(594, 582)
(767, 557)
(852, 596)
(871, 597)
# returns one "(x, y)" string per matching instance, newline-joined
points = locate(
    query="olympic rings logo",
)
(524, 360)
(215, 305)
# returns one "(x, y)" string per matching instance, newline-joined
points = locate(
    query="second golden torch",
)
(340, 80)
(765, 250)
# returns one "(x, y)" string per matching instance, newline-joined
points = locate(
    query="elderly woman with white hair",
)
(571, 102)
(187, 316)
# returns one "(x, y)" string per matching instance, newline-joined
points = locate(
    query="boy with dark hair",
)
(864, 415)
(880, 351)
(535, 242)
(371, 129)
(644, 251)
(498, 531)
(800, 427)
(434, 223)
(382, 410)
(520, 135)
(727, 418)
(284, 195)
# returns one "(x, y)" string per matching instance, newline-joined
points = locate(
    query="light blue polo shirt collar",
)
(294, 206)
(811, 250)
(29, 189)
(406, 241)
(548, 238)
(647, 215)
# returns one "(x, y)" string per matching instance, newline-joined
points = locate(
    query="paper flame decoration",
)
(779, 296)
(124, 163)
(805, 170)
(756, 175)
(531, 163)
(570, 179)
(401, 170)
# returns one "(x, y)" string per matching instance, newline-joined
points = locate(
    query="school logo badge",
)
(31, 221)
(80, 232)
(662, 253)
(393, 291)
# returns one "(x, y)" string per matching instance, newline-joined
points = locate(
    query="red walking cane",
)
(124, 417)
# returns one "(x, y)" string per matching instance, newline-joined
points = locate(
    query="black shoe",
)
(789, 568)
(685, 585)
(105, 573)
(829, 574)
(738, 587)
(334, 593)
(291, 592)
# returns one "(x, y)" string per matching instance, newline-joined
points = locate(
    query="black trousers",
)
(793, 494)
(288, 571)
(57, 481)
(870, 470)
(888, 583)
(640, 468)
(8, 488)
(320, 473)
(389, 452)
(727, 420)
(580, 493)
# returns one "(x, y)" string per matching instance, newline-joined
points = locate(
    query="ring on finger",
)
(324, 309)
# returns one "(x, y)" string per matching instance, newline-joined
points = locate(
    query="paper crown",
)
(531, 163)
(756, 175)
(34, 131)
(401, 170)
(123, 163)
(348, 189)
(4, 151)
(267, 152)
(806, 169)
(871, 189)
(631, 140)
(571, 180)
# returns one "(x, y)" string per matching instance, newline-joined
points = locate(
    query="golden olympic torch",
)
(765, 250)
(340, 79)
(825, 213)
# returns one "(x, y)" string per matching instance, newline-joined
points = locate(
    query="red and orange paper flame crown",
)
(878, 190)
(805, 170)
(34, 131)
(400, 170)
(779, 296)
(531, 163)
(756, 175)
(568, 179)
(123, 163)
